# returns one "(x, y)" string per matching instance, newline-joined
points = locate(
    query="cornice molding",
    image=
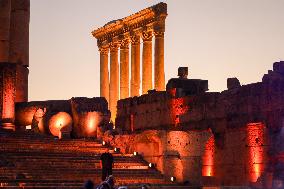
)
(154, 15)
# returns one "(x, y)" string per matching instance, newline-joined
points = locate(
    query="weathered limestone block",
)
(279, 67)
(89, 114)
(136, 113)
(233, 83)
(25, 111)
(38, 124)
(60, 124)
(183, 72)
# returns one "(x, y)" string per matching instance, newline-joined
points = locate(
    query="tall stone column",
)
(159, 75)
(114, 80)
(19, 32)
(135, 65)
(19, 45)
(5, 12)
(147, 62)
(124, 69)
(7, 95)
(104, 76)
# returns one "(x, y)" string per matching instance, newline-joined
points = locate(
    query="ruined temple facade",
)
(231, 137)
(228, 138)
(14, 57)
(119, 35)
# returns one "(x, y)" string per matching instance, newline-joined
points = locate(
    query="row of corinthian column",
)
(109, 85)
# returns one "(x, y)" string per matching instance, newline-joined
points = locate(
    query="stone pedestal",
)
(147, 62)
(5, 10)
(124, 69)
(114, 80)
(159, 75)
(104, 76)
(135, 66)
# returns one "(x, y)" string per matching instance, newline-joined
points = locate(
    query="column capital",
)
(104, 50)
(135, 39)
(147, 35)
(113, 46)
(159, 33)
(125, 43)
(159, 26)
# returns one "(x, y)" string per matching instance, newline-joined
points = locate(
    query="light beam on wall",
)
(256, 152)
(208, 157)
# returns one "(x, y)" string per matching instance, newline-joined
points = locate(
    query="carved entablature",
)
(152, 18)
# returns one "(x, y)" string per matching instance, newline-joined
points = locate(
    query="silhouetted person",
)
(89, 185)
(106, 162)
(108, 183)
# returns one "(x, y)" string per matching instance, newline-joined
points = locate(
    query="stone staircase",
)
(29, 160)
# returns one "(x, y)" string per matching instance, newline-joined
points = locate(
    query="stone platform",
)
(29, 160)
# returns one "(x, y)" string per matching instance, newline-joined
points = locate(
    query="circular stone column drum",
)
(60, 122)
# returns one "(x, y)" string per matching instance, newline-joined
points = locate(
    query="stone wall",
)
(88, 115)
(246, 123)
(196, 156)
(175, 153)
(84, 113)
(233, 108)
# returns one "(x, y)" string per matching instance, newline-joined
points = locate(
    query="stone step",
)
(119, 180)
(54, 161)
(76, 171)
(35, 153)
(51, 163)
(79, 166)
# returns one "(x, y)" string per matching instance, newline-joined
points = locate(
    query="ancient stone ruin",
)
(226, 138)
(190, 137)
(116, 35)
(14, 57)
(78, 117)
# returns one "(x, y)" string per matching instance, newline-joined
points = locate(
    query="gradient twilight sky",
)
(216, 39)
